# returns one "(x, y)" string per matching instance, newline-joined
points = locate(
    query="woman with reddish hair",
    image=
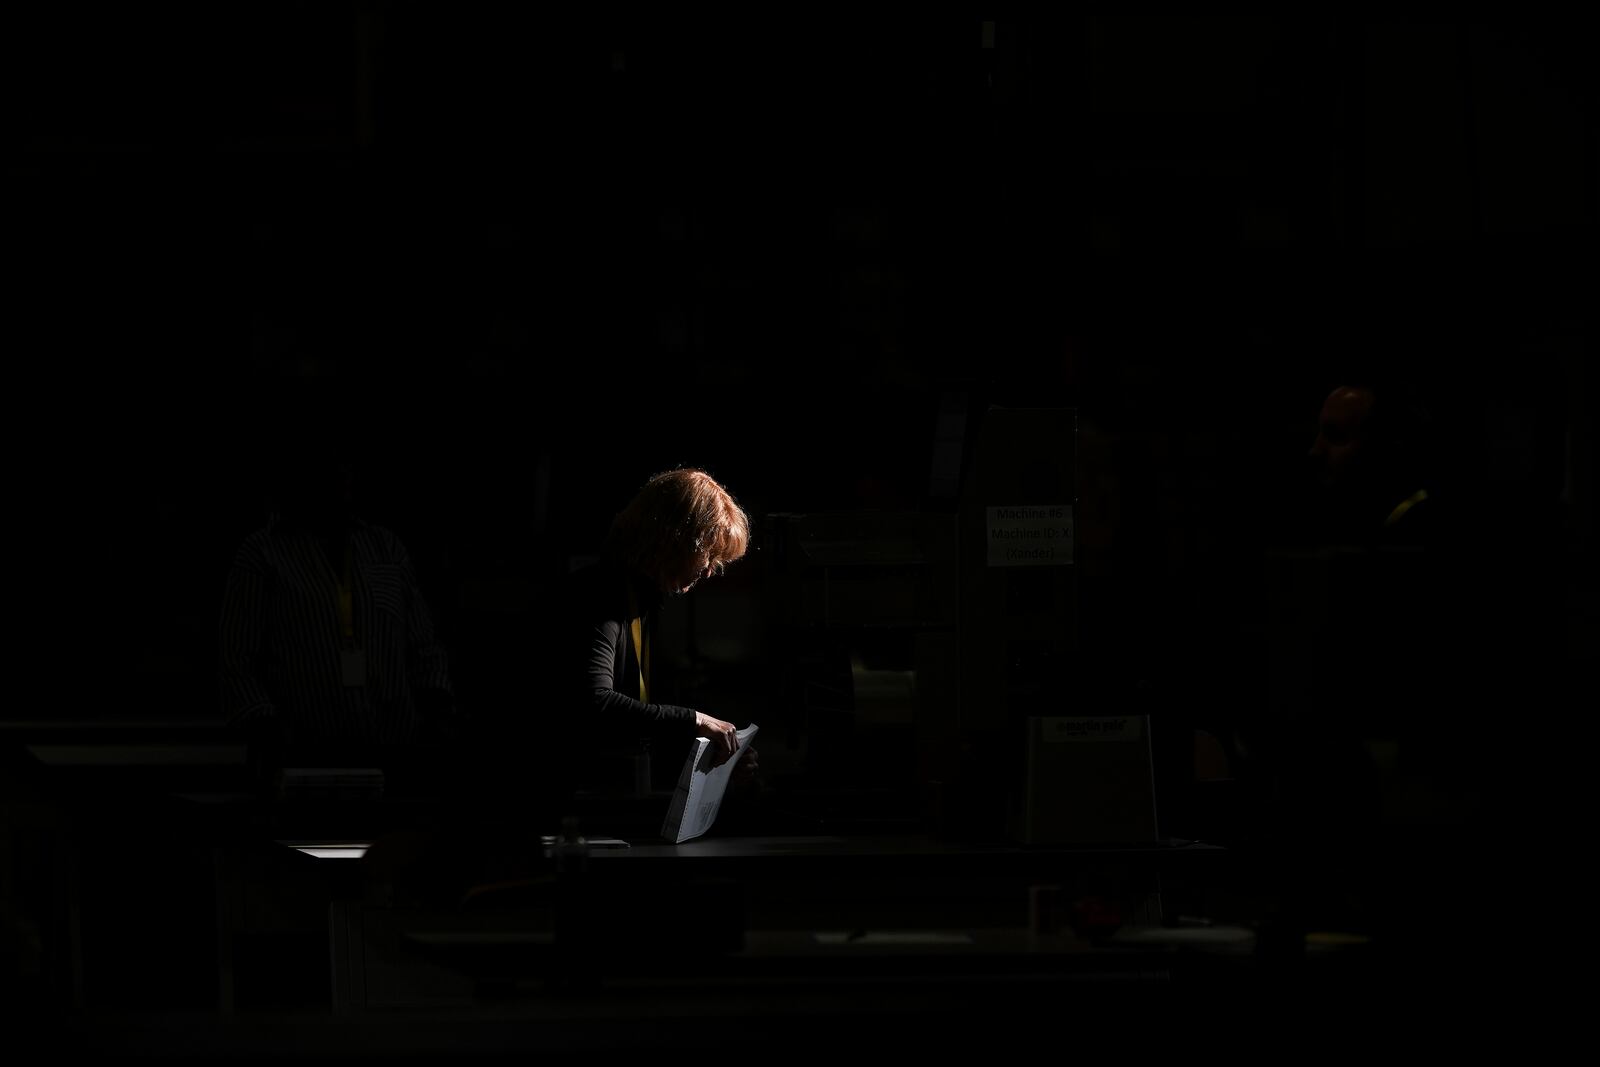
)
(680, 528)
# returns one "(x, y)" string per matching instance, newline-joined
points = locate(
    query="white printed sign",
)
(1030, 536)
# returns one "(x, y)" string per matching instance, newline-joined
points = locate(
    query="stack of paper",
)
(700, 787)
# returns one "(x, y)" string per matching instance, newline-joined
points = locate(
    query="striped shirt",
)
(283, 643)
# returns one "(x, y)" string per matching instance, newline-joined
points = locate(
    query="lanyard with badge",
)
(641, 656)
(352, 660)
(641, 646)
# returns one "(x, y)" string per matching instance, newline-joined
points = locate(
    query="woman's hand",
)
(724, 737)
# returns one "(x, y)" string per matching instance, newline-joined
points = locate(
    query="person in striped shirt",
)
(328, 649)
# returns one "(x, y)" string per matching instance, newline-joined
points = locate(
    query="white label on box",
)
(1030, 536)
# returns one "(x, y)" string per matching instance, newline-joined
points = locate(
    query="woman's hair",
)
(679, 515)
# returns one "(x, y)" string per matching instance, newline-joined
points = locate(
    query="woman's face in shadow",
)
(681, 575)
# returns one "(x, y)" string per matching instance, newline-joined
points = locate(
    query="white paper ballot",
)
(700, 788)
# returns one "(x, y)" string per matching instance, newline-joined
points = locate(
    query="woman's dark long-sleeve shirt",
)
(600, 615)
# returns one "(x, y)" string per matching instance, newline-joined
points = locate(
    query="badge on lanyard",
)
(352, 660)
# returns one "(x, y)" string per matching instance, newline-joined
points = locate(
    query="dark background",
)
(527, 256)
(532, 256)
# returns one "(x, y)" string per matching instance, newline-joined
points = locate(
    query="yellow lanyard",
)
(641, 647)
(1404, 506)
